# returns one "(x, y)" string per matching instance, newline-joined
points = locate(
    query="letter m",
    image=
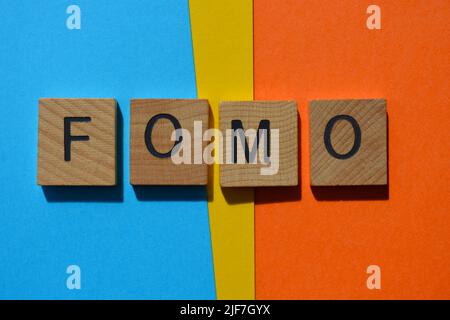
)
(250, 153)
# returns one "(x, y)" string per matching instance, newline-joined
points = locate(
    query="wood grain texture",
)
(146, 169)
(92, 162)
(282, 116)
(368, 166)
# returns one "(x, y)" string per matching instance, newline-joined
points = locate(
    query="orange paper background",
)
(317, 245)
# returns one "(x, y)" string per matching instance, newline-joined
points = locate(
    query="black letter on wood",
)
(148, 134)
(356, 143)
(68, 138)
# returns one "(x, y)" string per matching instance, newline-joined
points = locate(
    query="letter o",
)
(148, 134)
(356, 143)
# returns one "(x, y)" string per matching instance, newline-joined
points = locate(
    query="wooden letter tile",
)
(241, 170)
(77, 142)
(152, 123)
(348, 142)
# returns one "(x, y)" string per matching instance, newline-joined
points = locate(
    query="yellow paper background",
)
(222, 36)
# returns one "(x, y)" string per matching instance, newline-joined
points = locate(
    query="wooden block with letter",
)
(153, 121)
(348, 142)
(271, 161)
(77, 142)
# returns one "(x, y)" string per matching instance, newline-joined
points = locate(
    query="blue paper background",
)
(147, 243)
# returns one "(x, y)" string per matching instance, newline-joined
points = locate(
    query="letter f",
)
(68, 138)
